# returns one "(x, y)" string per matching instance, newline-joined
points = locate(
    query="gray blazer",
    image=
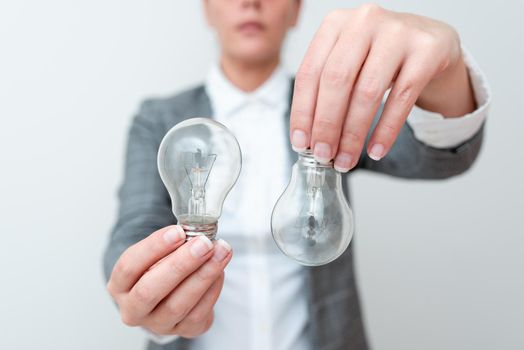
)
(335, 317)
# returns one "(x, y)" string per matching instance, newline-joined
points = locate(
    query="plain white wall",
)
(440, 264)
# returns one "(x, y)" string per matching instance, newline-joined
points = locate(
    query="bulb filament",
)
(198, 166)
(314, 223)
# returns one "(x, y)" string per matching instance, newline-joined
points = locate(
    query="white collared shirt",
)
(263, 305)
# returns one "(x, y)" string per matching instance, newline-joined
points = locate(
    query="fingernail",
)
(322, 152)
(200, 247)
(299, 141)
(222, 249)
(376, 152)
(174, 234)
(343, 162)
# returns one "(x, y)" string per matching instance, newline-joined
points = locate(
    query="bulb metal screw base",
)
(195, 229)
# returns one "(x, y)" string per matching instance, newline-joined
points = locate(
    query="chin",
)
(256, 54)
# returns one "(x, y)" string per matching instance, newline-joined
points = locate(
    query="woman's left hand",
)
(354, 58)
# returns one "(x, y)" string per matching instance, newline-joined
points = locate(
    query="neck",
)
(247, 76)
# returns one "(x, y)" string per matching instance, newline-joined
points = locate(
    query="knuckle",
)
(397, 28)
(159, 326)
(323, 126)
(143, 294)
(197, 316)
(180, 266)
(157, 245)
(305, 75)
(128, 319)
(124, 269)
(184, 330)
(335, 76)
(351, 138)
(159, 330)
(208, 322)
(428, 41)
(370, 9)
(187, 333)
(445, 62)
(199, 328)
(333, 17)
(302, 117)
(389, 128)
(405, 95)
(432, 57)
(368, 90)
(207, 272)
(221, 277)
(110, 288)
(177, 311)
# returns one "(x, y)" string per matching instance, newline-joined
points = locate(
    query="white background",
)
(440, 264)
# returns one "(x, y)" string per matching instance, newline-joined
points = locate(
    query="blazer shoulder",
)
(172, 109)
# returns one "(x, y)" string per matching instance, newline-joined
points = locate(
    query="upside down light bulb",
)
(312, 222)
(199, 161)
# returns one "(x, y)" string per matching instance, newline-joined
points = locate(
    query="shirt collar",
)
(227, 98)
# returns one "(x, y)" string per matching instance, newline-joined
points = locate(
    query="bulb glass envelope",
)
(199, 161)
(312, 222)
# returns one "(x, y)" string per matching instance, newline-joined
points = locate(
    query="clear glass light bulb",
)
(312, 222)
(199, 161)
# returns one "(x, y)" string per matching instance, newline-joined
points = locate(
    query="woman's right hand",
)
(167, 286)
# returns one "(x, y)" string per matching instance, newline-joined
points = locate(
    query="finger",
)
(197, 330)
(184, 298)
(195, 322)
(142, 255)
(336, 82)
(381, 65)
(412, 79)
(307, 81)
(157, 283)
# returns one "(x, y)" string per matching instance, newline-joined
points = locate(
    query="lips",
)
(251, 27)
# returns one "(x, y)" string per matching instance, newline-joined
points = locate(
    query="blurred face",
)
(251, 31)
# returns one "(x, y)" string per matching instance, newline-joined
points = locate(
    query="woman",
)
(176, 290)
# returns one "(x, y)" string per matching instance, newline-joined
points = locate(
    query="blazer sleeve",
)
(410, 158)
(144, 204)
